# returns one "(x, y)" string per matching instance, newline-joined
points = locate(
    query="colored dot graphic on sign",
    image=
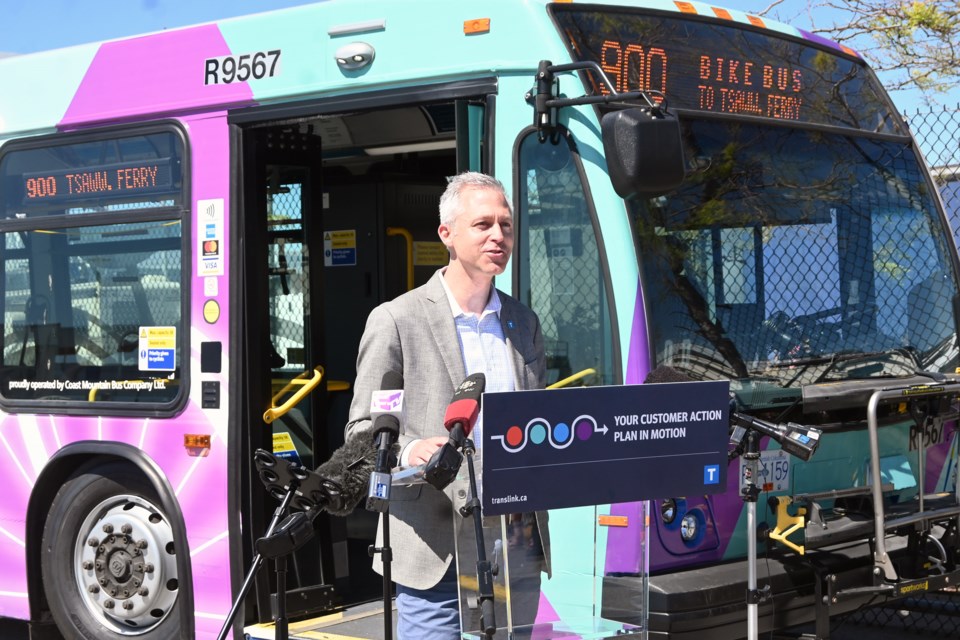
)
(584, 427)
(538, 431)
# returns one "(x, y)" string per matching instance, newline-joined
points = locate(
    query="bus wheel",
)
(109, 562)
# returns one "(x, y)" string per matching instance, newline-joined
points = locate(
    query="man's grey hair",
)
(450, 205)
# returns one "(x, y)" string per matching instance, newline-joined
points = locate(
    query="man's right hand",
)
(422, 450)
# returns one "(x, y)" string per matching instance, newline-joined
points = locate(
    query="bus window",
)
(92, 263)
(561, 274)
(757, 279)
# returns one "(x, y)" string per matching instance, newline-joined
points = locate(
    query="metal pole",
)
(750, 494)
(255, 565)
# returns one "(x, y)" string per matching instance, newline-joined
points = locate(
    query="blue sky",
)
(35, 25)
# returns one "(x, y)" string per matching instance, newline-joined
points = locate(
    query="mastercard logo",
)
(539, 431)
(210, 247)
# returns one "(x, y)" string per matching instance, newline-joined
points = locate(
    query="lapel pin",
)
(509, 324)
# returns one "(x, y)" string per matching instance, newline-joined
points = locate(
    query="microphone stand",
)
(750, 493)
(386, 557)
(378, 499)
(484, 569)
(257, 561)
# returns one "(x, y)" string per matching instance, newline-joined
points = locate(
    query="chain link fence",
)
(937, 132)
(937, 615)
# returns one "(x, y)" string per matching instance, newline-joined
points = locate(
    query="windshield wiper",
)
(832, 360)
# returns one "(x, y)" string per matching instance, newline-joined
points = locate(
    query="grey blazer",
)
(415, 335)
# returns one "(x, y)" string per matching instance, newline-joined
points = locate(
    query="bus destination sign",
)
(721, 68)
(726, 84)
(118, 180)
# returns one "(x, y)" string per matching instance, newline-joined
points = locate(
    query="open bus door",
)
(329, 231)
(284, 376)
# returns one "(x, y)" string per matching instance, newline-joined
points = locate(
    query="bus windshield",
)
(831, 266)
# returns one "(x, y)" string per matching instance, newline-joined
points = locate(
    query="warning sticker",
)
(340, 248)
(430, 254)
(283, 447)
(157, 349)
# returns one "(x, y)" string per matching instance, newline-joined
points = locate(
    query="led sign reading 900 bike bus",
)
(728, 69)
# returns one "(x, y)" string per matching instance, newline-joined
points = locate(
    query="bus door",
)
(285, 381)
(340, 215)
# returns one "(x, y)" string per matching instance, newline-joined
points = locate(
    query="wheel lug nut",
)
(87, 565)
(93, 542)
(128, 605)
(126, 528)
(141, 544)
(144, 592)
(93, 589)
(148, 568)
(108, 528)
(108, 604)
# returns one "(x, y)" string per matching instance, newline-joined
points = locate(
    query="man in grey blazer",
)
(454, 325)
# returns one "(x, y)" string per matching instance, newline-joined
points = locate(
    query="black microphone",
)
(343, 479)
(386, 411)
(796, 439)
(459, 419)
(337, 486)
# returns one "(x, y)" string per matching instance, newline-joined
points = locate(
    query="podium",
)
(540, 591)
(549, 465)
(529, 602)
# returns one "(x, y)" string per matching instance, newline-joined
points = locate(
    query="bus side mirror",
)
(644, 152)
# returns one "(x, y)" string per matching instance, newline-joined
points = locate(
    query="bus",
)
(196, 223)
(947, 178)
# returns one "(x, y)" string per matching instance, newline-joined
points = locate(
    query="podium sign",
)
(560, 448)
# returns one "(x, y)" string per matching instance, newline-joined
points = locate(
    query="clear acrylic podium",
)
(529, 602)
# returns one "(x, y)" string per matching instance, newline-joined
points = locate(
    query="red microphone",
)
(462, 412)
(461, 415)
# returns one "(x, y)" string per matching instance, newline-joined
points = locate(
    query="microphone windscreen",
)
(465, 405)
(666, 374)
(464, 411)
(345, 476)
(388, 424)
(391, 380)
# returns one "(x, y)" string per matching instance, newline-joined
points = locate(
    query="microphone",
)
(459, 419)
(796, 439)
(462, 412)
(386, 412)
(336, 486)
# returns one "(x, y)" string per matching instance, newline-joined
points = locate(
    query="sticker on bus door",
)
(157, 349)
(210, 237)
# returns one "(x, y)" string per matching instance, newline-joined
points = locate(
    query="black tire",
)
(125, 585)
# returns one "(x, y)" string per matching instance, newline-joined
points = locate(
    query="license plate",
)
(773, 472)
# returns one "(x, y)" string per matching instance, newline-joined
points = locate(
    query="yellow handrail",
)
(306, 386)
(400, 231)
(571, 379)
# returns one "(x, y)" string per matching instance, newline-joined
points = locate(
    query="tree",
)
(911, 44)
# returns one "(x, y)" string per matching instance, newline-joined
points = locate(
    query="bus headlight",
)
(689, 527)
(668, 510)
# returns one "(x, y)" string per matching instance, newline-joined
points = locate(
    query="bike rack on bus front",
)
(941, 389)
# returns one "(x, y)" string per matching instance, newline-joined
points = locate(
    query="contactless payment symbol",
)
(559, 436)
